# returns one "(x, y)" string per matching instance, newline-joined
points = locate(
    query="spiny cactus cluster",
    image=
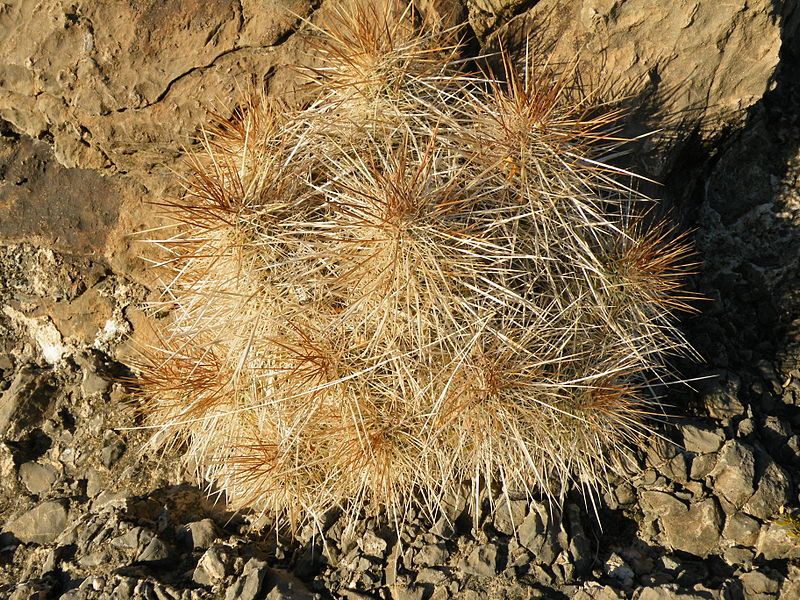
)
(420, 277)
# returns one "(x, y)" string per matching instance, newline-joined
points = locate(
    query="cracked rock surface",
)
(98, 101)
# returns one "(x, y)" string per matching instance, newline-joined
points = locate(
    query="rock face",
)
(121, 86)
(110, 84)
(691, 66)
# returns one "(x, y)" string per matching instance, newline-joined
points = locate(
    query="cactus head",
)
(420, 277)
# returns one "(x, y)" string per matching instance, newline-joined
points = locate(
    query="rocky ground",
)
(96, 101)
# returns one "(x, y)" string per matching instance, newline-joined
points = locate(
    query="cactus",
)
(420, 277)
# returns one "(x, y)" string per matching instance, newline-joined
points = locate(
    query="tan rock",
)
(686, 64)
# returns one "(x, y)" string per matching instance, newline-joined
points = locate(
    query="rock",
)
(775, 543)
(25, 402)
(741, 529)
(482, 561)
(537, 535)
(85, 78)
(132, 539)
(213, 566)
(677, 468)
(509, 514)
(285, 586)
(625, 494)
(113, 449)
(42, 524)
(695, 529)
(94, 384)
(94, 483)
(43, 331)
(721, 396)
(668, 592)
(660, 451)
(739, 557)
(773, 492)
(735, 480)
(702, 440)
(616, 568)
(143, 545)
(429, 576)
(592, 590)
(431, 555)
(734, 473)
(250, 585)
(701, 466)
(645, 48)
(579, 547)
(200, 534)
(759, 586)
(156, 551)
(38, 478)
(407, 591)
(372, 545)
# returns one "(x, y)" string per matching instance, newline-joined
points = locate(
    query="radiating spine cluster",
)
(421, 277)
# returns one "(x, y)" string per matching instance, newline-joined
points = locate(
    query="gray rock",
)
(93, 383)
(773, 492)
(702, 440)
(124, 589)
(518, 555)
(443, 528)
(741, 529)
(132, 539)
(372, 545)
(739, 557)
(251, 583)
(430, 576)
(95, 559)
(721, 396)
(482, 561)
(759, 586)
(156, 551)
(407, 591)
(667, 592)
(676, 468)
(431, 555)
(592, 590)
(112, 450)
(212, 566)
(26, 400)
(579, 546)
(701, 466)
(734, 473)
(42, 524)
(94, 483)
(38, 478)
(33, 590)
(454, 505)
(616, 568)
(509, 514)
(775, 543)
(625, 494)
(285, 586)
(538, 535)
(695, 529)
(200, 534)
